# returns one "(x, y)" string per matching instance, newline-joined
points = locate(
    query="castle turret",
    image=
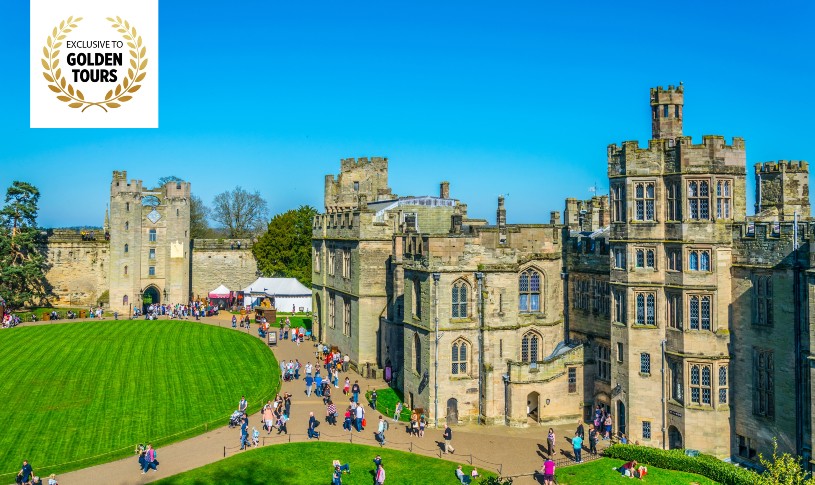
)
(782, 189)
(666, 112)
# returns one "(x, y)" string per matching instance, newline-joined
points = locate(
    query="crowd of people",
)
(177, 311)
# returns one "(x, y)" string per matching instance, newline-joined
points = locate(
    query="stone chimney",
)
(554, 218)
(501, 220)
(444, 190)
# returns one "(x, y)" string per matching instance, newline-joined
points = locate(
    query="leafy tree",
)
(22, 263)
(783, 469)
(199, 227)
(285, 248)
(239, 212)
(167, 179)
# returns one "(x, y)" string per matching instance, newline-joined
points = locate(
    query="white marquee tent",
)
(288, 293)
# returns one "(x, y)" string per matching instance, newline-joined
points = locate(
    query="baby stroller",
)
(235, 419)
(287, 376)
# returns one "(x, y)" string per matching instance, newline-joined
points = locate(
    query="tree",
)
(285, 248)
(167, 179)
(783, 469)
(199, 227)
(22, 263)
(239, 212)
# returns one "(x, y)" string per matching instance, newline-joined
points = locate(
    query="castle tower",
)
(782, 189)
(149, 243)
(357, 177)
(666, 112)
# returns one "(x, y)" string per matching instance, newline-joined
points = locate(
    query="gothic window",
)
(346, 321)
(674, 310)
(674, 259)
(417, 353)
(646, 430)
(316, 260)
(762, 300)
(646, 308)
(529, 291)
(618, 203)
(152, 235)
(619, 258)
(644, 201)
(332, 312)
(460, 300)
(417, 298)
(677, 383)
(763, 383)
(572, 375)
(645, 363)
(723, 199)
(459, 357)
(530, 344)
(699, 199)
(125, 300)
(620, 354)
(674, 202)
(706, 385)
(700, 384)
(619, 306)
(603, 363)
(346, 264)
(127, 248)
(646, 258)
(723, 384)
(699, 312)
(699, 260)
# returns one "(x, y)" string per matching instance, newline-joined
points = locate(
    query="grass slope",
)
(77, 394)
(310, 463)
(386, 400)
(600, 472)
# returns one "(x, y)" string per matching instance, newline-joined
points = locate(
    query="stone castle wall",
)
(221, 262)
(77, 268)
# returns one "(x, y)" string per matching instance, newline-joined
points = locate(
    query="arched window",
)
(530, 344)
(124, 300)
(417, 353)
(704, 261)
(127, 247)
(127, 225)
(125, 269)
(529, 286)
(460, 300)
(127, 206)
(459, 357)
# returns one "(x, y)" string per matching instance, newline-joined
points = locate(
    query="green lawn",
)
(77, 394)
(297, 320)
(600, 472)
(310, 463)
(386, 400)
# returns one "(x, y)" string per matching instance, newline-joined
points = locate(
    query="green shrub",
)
(705, 465)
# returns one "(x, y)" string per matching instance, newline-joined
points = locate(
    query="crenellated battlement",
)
(351, 163)
(120, 184)
(680, 155)
(796, 166)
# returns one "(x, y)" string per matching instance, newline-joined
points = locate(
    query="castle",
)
(144, 254)
(662, 302)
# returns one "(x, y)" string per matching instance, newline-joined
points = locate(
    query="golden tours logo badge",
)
(92, 62)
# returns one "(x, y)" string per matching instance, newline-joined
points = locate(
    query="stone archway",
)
(150, 296)
(674, 438)
(452, 411)
(533, 407)
(620, 417)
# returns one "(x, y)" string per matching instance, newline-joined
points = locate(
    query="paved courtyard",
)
(515, 451)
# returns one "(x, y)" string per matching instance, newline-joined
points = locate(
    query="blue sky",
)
(519, 99)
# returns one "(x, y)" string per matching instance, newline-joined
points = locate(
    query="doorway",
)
(674, 438)
(532, 406)
(620, 417)
(452, 412)
(151, 296)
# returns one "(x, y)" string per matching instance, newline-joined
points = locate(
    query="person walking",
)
(380, 431)
(346, 388)
(312, 424)
(360, 415)
(25, 473)
(448, 439)
(309, 382)
(577, 444)
(379, 478)
(550, 442)
(593, 440)
(355, 391)
(243, 404)
(268, 419)
(548, 471)
(580, 431)
(397, 411)
(345, 361)
(244, 432)
(331, 413)
(150, 457)
(373, 400)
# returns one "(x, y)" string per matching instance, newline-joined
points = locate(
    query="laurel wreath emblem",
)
(74, 97)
